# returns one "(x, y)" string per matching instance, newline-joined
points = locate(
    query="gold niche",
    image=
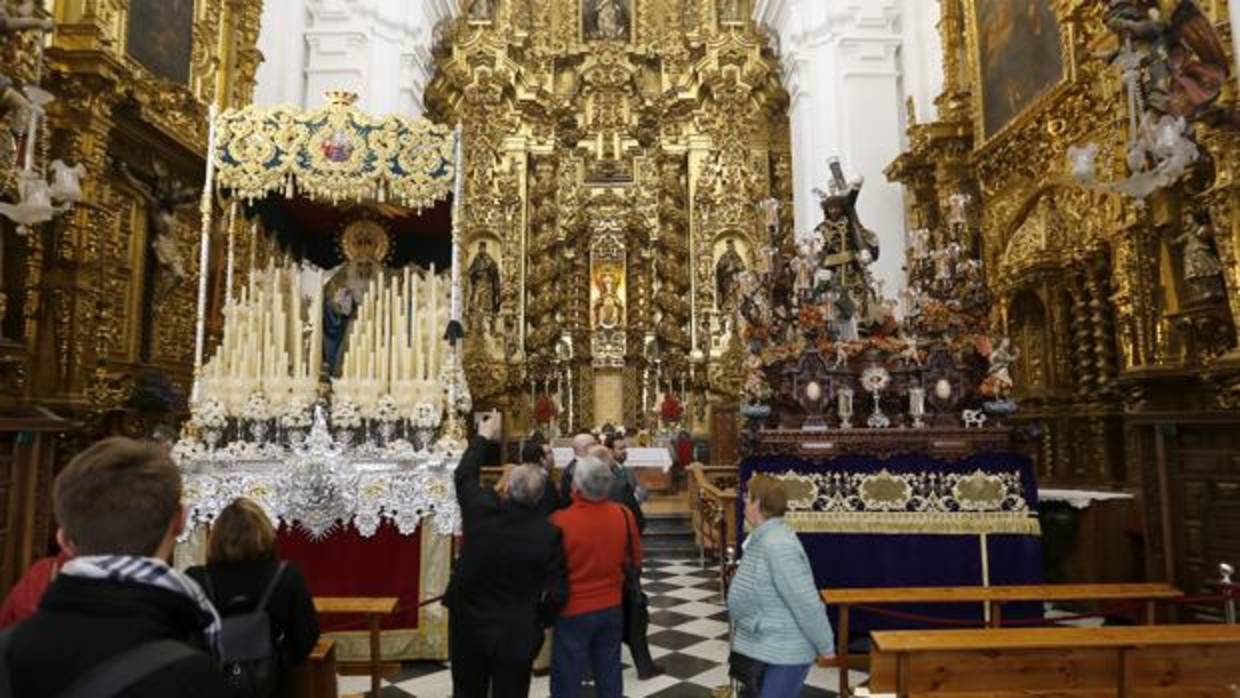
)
(611, 148)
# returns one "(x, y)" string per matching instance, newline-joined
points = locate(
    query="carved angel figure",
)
(1181, 61)
(66, 181)
(999, 375)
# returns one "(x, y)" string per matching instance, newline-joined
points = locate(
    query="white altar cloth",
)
(1080, 499)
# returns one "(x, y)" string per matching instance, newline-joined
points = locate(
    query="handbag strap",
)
(128, 668)
(271, 586)
(262, 601)
(628, 535)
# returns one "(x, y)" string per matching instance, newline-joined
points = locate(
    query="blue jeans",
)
(589, 640)
(783, 680)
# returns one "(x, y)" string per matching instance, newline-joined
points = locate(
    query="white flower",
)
(296, 415)
(345, 415)
(210, 414)
(426, 416)
(257, 408)
(387, 411)
(187, 451)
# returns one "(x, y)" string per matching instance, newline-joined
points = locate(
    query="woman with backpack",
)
(267, 612)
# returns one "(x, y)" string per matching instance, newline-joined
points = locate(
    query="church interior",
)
(959, 278)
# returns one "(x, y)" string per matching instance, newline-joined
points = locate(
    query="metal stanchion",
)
(1229, 592)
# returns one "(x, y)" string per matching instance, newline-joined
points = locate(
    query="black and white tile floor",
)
(688, 637)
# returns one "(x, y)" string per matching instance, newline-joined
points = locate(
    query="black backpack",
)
(248, 656)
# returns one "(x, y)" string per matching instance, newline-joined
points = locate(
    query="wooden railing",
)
(712, 501)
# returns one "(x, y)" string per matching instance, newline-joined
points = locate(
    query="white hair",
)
(526, 484)
(592, 478)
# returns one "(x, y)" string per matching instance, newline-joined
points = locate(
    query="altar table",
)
(911, 520)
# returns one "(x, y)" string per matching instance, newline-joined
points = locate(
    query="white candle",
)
(434, 314)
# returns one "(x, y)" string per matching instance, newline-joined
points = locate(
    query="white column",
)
(848, 67)
(1234, 7)
(380, 49)
(282, 41)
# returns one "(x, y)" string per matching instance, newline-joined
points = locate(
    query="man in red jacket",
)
(599, 538)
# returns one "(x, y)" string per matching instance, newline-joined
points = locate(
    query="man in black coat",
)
(119, 508)
(510, 580)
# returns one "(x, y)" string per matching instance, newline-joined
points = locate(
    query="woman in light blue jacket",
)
(778, 619)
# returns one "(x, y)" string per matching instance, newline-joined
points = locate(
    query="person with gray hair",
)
(601, 539)
(510, 580)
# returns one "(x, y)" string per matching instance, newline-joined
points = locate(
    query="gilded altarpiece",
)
(1123, 354)
(106, 293)
(612, 152)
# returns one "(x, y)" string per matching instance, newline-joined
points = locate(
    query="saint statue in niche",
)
(609, 308)
(1202, 269)
(483, 283)
(482, 11)
(730, 10)
(606, 19)
(727, 278)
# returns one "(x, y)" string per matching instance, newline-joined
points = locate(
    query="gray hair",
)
(526, 484)
(582, 444)
(592, 478)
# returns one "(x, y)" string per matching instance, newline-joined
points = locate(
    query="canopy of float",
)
(307, 174)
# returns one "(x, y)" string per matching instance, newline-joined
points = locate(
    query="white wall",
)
(848, 67)
(379, 49)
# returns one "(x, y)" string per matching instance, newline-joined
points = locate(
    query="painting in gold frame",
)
(160, 36)
(1018, 57)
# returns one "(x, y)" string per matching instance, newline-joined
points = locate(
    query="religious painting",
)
(607, 20)
(160, 36)
(1019, 57)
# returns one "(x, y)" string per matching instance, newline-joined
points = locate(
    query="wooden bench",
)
(1122, 662)
(374, 609)
(316, 678)
(993, 597)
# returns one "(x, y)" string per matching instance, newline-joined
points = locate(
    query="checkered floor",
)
(688, 638)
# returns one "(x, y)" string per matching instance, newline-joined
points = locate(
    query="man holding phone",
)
(510, 580)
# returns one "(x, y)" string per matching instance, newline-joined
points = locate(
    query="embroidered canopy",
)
(333, 154)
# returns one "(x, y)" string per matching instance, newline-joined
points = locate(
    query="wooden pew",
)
(316, 678)
(993, 597)
(374, 609)
(1169, 661)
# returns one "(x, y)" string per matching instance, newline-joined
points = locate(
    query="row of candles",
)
(264, 346)
(396, 343)
(916, 406)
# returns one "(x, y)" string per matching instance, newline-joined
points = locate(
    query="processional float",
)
(335, 394)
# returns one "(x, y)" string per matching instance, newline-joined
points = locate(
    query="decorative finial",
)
(340, 98)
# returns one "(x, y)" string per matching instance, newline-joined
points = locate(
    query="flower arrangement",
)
(257, 408)
(346, 415)
(296, 414)
(759, 333)
(426, 416)
(810, 316)
(386, 410)
(670, 409)
(210, 414)
(545, 409)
